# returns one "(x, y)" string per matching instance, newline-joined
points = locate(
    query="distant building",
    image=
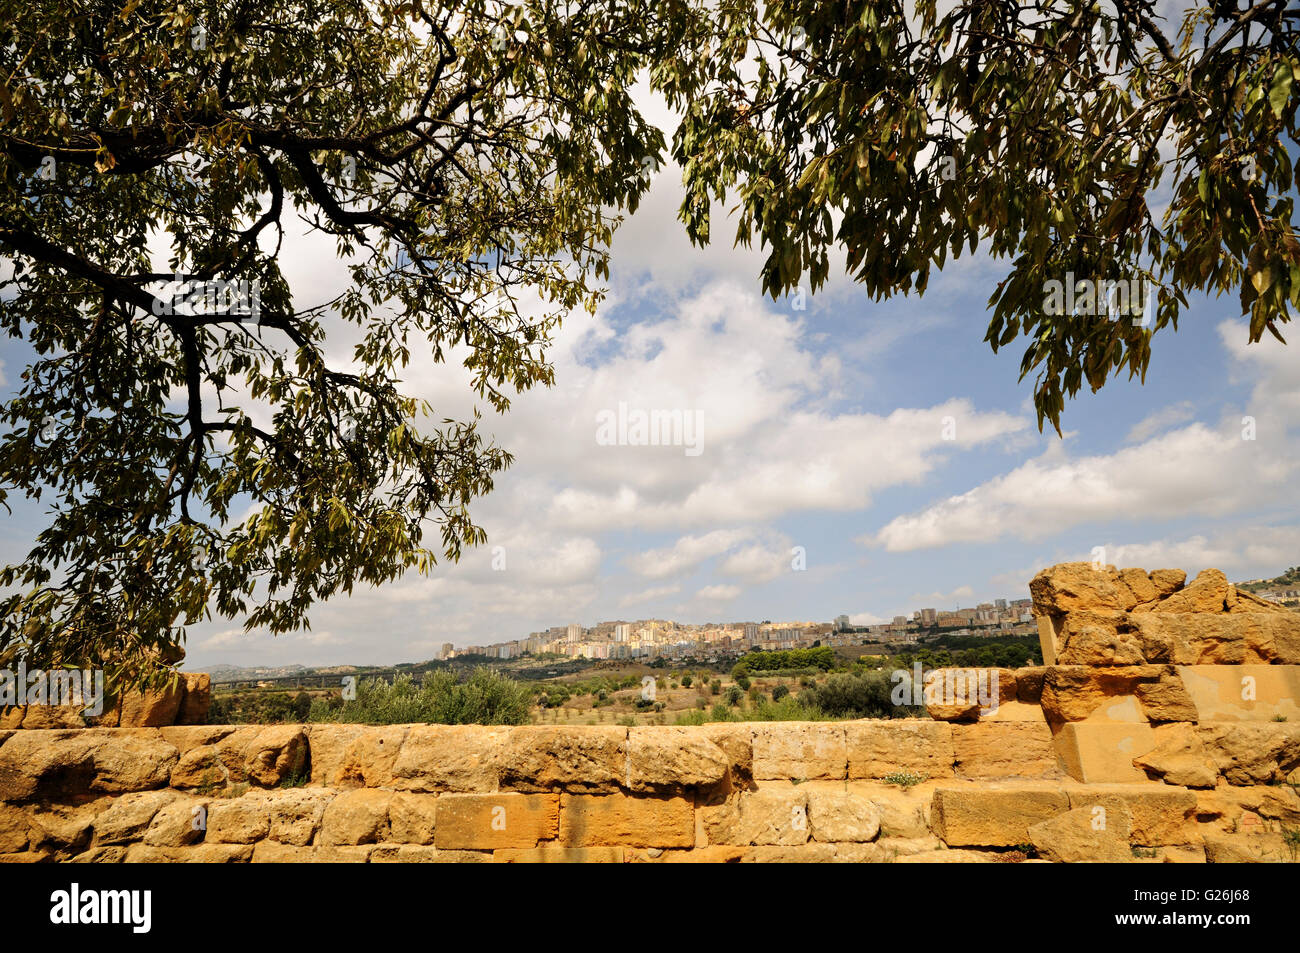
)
(841, 623)
(447, 651)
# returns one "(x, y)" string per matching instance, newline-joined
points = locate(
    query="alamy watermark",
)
(60, 687)
(233, 300)
(958, 687)
(1100, 297)
(634, 427)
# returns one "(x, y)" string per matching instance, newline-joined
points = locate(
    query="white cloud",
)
(718, 593)
(648, 595)
(1163, 419)
(1192, 470)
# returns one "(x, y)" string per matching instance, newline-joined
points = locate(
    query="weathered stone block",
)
(1160, 813)
(578, 759)
(456, 758)
(668, 759)
(1084, 835)
(628, 821)
(993, 816)
(1005, 749)
(877, 749)
(799, 750)
(841, 816)
(357, 816)
(492, 821)
(1100, 752)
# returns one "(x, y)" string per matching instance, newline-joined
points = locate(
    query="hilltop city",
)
(660, 638)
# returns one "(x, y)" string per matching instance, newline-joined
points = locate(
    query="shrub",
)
(781, 691)
(862, 695)
(715, 687)
(734, 695)
(485, 698)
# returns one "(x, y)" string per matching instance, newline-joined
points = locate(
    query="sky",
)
(822, 480)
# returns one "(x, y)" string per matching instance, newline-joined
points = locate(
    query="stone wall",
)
(829, 791)
(1163, 729)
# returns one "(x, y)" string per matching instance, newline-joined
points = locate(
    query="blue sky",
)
(822, 429)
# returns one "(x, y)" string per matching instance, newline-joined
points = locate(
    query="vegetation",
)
(258, 707)
(1077, 141)
(971, 651)
(210, 453)
(905, 779)
(485, 698)
(757, 660)
(1288, 579)
(856, 695)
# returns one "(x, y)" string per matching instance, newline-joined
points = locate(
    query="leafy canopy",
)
(244, 450)
(1082, 139)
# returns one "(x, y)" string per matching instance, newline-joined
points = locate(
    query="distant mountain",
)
(227, 673)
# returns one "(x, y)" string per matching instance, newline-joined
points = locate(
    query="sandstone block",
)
(196, 698)
(1246, 752)
(1179, 758)
(179, 823)
(560, 855)
(1264, 847)
(810, 853)
(424, 854)
(456, 758)
(492, 821)
(327, 745)
(1100, 752)
(628, 821)
(877, 749)
(370, 759)
(411, 818)
(667, 759)
(272, 852)
(579, 760)
(800, 750)
(15, 829)
(947, 857)
(1243, 692)
(358, 816)
(1239, 638)
(841, 816)
(776, 815)
(276, 754)
(1005, 749)
(151, 707)
(1160, 814)
(240, 820)
(64, 829)
(1209, 592)
(130, 816)
(53, 764)
(1070, 587)
(297, 813)
(204, 853)
(989, 816)
(1079, 692)
(1084, 835)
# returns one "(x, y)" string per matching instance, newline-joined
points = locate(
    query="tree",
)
(212, 443)
(1049, 133)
